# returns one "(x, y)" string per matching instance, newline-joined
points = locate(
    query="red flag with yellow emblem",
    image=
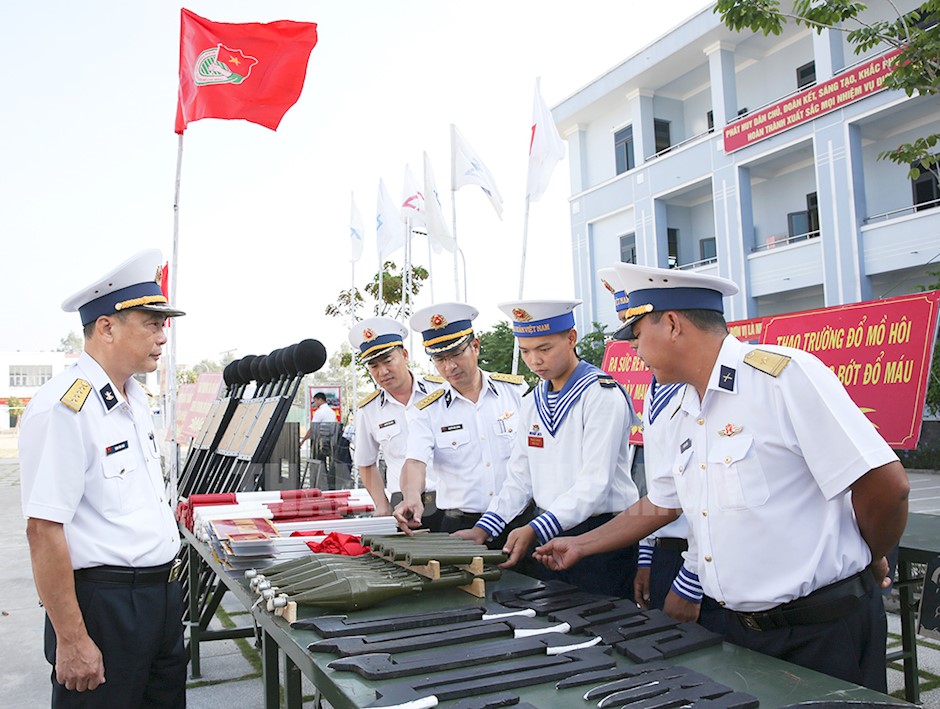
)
(251, 71)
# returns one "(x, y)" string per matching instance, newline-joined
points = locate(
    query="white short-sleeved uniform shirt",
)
(468, 444)
(581, 470)
(658, 430)
(762, 469)
(323, 414)
(97, 471)
(382, 423)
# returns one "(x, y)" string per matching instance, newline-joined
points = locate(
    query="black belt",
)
(165, 573)
(460, 514)
(672, 543)
(825, 604)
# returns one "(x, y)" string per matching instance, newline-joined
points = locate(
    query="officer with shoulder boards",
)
(465, 429)
(572, 455)
(102, 537)
(381, 423)
(793, 497)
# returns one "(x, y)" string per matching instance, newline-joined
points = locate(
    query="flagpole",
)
(405, 281)
(453, 211)
(171, 364)
(352, 317)
(525, 241)
(430, 270)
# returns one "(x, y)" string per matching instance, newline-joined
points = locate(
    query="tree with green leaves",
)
(496, 352)
(73, 343)
(592, 345)
(916, 69)
(16, 407)
(932, 401)
(351, 301)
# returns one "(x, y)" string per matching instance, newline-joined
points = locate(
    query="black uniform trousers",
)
(663, 571)
(609, 573)
(851, 648)
(139, 630)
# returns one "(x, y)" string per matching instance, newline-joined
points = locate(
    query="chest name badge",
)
(535, 437)
(116, 448)
(453, 427)
(386, 424)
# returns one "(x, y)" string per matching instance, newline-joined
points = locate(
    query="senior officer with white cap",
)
(667, 562)
(572, 455)
(381, 422)
(464, 429)
(101, 532)
(793, 497)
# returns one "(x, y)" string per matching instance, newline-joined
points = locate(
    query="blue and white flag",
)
(466, 168)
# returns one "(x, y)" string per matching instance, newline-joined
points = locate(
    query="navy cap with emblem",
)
(135, 284)
(374, 337)
(534, 318)
(659, 289)
(611, 280)
(444, 326)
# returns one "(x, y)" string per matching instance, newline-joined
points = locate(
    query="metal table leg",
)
(292, 684)
(269, 664)
(194, 629)
(908, 631)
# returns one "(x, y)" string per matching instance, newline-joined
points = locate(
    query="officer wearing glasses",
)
(465, 429)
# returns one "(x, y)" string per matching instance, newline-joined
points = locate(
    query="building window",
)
(708, 250)
(672, 240)
(623, 149)
(805, 224)
(806, 75)
(812, 212)
(661, 135)
(926, 189)
(628, 248)
(710, 121)
(29, 375)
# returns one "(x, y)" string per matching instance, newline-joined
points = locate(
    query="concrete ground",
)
(231, 673)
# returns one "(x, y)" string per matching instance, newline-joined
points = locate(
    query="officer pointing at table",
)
(464, 429)
(381, 422)
(102, 536)
(793, 497)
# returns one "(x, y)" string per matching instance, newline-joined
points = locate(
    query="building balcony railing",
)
(901, 212)
(681, 143)
(697, 264)
(774, 242)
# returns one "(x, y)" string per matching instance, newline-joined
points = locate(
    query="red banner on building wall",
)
(881, 351)
(849, 86)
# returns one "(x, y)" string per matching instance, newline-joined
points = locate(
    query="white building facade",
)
(21, 375)
(805, 217)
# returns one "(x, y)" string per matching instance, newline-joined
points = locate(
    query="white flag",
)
(357, 230)
(466, 168)
(438, 231)
(546, 148)
(412, 201)
(389, 233)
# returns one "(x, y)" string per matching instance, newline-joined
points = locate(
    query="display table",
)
(919, 544)
(774, 682)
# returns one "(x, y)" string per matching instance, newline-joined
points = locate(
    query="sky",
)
(89, 157)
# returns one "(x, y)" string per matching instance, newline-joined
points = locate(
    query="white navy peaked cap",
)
(444, 326)
(535, 318)
(657, 289)
(374, 337)
(611, 280)
(135, 284)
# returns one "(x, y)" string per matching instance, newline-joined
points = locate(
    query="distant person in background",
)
(102, 537)
(322, 413)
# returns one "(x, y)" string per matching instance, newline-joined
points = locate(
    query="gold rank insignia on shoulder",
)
(369, 398)
(606, 381)
(429, 399)
(508, 378)
(434, 378)
(767, 362)
(76, 395)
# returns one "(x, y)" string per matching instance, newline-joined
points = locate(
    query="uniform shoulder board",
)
(767, 362)
(508, 378)
(606, 381)
(150, 394)
(75, 397)
(369, 398)
(429, 399)
(434, 378)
